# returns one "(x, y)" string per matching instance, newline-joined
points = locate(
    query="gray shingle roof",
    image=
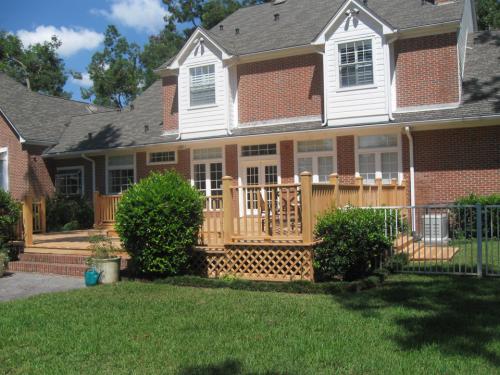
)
(481, 84)
(37, 117)
(301, 21)
(481, 90)
(118, 128)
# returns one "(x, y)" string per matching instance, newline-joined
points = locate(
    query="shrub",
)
(465, 218)
(9, 215)
(68, 213)
(397, 262)
(158, 221)
(353, 241)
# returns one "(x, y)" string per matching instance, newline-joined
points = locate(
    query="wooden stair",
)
(424, 251)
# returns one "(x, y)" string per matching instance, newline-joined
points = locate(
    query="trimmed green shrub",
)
(397, 262)
(68, 213)
(10, 212)
(465, 218)
(158, 221)
(353, 243)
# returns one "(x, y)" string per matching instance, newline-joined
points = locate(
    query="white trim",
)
(429, 107)
(82, 170)
(314, 155)
(378, 151)
(282, 121)
(16, 131)
(5, 158)
(107, 168)
(243, 161)
(207, 162)
(148, 153)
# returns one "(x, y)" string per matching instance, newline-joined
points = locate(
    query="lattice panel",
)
(257, 262)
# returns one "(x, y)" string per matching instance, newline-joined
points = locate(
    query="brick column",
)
(287, 162)
(346, 164)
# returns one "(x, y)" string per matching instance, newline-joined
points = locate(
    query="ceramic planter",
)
(109, 269)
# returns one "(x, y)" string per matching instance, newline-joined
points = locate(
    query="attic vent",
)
(277, 17)
(221, 27)
(237, 31)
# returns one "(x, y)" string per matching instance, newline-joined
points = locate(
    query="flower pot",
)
(108, 268)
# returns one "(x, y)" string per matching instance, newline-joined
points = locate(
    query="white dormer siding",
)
(209, 119)
(360, 103)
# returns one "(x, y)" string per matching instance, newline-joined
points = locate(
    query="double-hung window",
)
(316, 157)
(4, 179)
(378, 157)
(202, 85)
(69, 181)
(208, 171)
(356, 63)
(121, 173)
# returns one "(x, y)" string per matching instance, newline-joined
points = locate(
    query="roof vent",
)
(276, 17)
(146, 128)
(132, 107)
(237, 31)
(89, 135)
(221, 27)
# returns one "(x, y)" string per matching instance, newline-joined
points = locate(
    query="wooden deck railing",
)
(284, 213)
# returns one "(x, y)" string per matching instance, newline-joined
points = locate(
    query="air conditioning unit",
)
(435, 227)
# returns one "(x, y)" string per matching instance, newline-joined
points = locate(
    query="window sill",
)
(202, 107)
(355, 88)
(162, 163)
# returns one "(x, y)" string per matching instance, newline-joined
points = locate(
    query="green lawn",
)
(411, 325)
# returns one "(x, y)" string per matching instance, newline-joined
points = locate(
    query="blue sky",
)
(80, 25)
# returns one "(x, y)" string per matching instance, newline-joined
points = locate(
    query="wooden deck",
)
(424, 251)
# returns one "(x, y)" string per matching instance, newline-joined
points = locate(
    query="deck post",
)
(96, 209)
(306, 198)
(227, 206)
(359, 183)
(378, 182)
(334, 180)
(43, 215)
(28, 220)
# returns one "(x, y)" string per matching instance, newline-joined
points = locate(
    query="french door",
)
(257, 173)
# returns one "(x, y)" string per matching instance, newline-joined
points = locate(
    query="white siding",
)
(356, 104)
(205, 119)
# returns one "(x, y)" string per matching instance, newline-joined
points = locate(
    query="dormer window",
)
(356, 63)
(202, 85)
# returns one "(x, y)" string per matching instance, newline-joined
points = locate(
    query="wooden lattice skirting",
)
(256, 262)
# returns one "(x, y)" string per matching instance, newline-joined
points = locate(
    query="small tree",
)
(353, 241)
(158, 221)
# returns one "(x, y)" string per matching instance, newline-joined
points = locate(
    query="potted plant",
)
(104, 259)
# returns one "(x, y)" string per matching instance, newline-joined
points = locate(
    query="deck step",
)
(52, 268)
(52, 258)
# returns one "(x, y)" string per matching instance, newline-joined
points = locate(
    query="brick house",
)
(379, 89)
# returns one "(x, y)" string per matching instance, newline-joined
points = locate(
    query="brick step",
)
(53, 268)
(52, 258)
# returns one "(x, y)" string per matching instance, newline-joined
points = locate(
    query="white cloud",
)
(142, 15)
(72, 40)
(85, 82)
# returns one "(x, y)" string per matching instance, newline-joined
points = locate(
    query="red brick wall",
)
(232, 162)
(287, 162)
(182, 166)
(427, 70)
(346, 164)
(40, 181)
(456, 162)
(18, 161)
(280, 88)
(171, 104)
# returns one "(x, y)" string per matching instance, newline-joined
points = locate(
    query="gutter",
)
(412, 178)
(92, 161)
(325, 91)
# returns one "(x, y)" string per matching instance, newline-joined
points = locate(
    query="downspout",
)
(92, 162)
(412, 178)
(325, 86)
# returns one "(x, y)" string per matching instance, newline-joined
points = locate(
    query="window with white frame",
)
(378, 157)
(163, 157)
(316, 157)
(69, 181)
(4, 177)
(208, 171)
(356, 63)
(259, 150)
(121, 173)
(202, 85)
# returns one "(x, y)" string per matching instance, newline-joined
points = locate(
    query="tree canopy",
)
(38, 64)
(488, 14)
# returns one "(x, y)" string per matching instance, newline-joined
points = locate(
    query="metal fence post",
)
(479, 235)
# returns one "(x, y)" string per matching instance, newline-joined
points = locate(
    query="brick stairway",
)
(69, 265)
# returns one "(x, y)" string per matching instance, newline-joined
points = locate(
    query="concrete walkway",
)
(21, 285)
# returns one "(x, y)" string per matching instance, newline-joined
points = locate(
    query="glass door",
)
(259, 173)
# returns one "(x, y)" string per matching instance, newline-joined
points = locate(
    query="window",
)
(259, 150)
(165, 157)
(121, 173)
(378, 157)
(202, 85)
(69, 181)
(208, 171)
(4, 177)
(316, 157)
(356, 63)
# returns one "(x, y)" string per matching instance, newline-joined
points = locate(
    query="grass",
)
(411, 324)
